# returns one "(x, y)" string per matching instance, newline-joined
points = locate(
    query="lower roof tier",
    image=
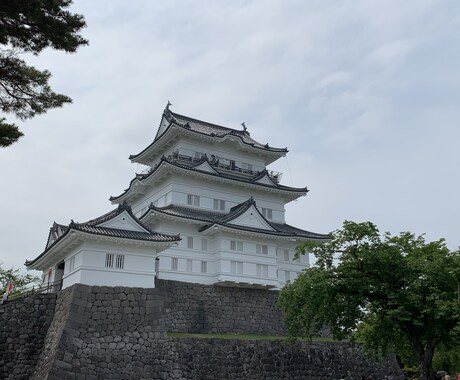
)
(203, 170)
(243, 217)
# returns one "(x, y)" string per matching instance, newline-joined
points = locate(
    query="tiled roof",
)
(215, 130)
(210, 218)
(93, 227)
(58, 231)
(207, 129)
(249, 180)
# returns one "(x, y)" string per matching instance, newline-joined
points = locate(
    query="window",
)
(120, 262)
(157, 266)
(261, 249)
(236, 267)
(204, 267)
(287, 276)
(193, 200)
(247, 166)
(109, 260)
(190, 242)
(199, 155)
(262, 270)
(236, 245)
(204, 244)
(267, 213)
(286, 255)
(219, 204)
(174, 263)
(189, 265)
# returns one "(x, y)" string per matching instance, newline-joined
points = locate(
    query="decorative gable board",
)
(123, 221)
(55, 233)
(204, 166)
(163, 125)
(252, 218)
(265, 180)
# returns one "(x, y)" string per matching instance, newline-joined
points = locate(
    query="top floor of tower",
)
(188, 141)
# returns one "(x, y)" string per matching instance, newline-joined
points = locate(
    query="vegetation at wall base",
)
(393, 293)
(243, 337)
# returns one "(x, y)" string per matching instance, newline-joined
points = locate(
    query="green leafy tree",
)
(29, 26)
(394, 291)
(20, 281)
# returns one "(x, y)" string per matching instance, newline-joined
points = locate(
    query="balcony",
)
(223, 165)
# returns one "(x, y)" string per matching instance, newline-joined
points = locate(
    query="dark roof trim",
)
(91, 227)
(221, 219)
(206, 129)
(164, 160)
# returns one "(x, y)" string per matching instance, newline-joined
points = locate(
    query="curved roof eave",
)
(226, 133)
(254, 231)
(81, 233)
(285, 189)
(208, 219)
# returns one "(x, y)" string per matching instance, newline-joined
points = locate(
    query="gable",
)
(123, 221)
(266, 180)
(252, 218)
(204, 166)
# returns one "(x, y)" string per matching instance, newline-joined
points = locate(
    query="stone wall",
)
(121, 333)
(24, 325)
(259, 359)
(105, 333)
(216, 309)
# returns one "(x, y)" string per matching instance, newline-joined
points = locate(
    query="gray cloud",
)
(364, 94)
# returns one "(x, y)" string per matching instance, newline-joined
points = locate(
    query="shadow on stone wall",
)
(121, 333)
(24, 325)
(215, 309)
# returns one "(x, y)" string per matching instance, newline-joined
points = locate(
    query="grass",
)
(242, 337)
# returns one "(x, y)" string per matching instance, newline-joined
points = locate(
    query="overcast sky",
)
(365, 95)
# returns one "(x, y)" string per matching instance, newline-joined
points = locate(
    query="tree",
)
(394, 291)
(19, 280)
(29, 26)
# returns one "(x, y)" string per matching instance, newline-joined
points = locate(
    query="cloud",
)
(364, 94)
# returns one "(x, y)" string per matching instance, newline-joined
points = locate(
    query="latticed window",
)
(109, 260)
(174, 263)
(189, 265)
(204, 244)
(190, 242)
(120, 262)
(204, 267)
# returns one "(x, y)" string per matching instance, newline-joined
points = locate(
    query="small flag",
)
(9, 288)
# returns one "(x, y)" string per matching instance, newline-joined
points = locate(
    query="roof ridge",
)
(202, 122)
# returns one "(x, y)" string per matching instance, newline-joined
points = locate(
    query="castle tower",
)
(206, 210)
(211, 185)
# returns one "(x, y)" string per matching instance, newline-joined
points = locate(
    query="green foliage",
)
(391, 292)
(31, 26)
(9, 133)
(447, 356)
(20, 281)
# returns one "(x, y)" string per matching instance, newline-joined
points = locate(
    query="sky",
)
(364, 94)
